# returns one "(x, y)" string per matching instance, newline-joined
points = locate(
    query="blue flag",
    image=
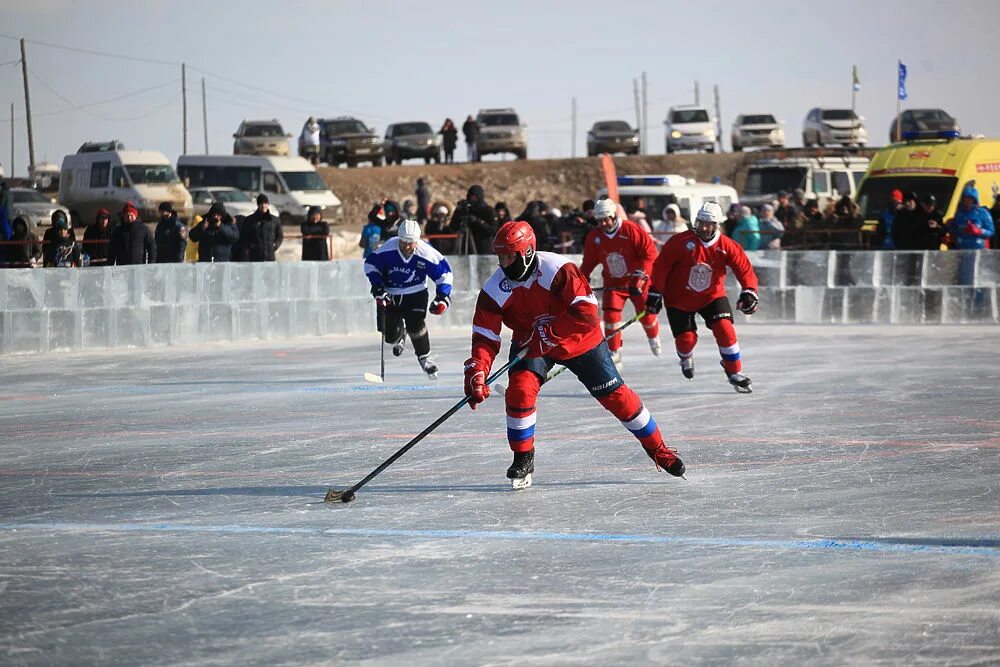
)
(901, 93)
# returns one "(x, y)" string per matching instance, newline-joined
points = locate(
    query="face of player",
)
(407, 248)
(608, 225)
(505, 259)
(705, 230)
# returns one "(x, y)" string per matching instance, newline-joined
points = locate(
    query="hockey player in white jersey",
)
(398, 272)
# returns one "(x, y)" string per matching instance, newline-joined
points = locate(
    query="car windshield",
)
(498, 119)
(413, 128)
(336, 127)
(612, 126)
(839, 114)
(928, 114)
(761, 119)
(689, 116)
(875, 192)
(269, 130)
(769, 180)
(654, 205)
(151, 174)
(30, 197)
(230, 196)
(303, 180)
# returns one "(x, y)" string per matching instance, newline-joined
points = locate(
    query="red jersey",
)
(629, 249)
(690, 273)
(557, 288)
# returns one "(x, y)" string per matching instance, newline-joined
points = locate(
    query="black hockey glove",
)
(382, 298)
(748, 301)
(654, 302)
(440, 304)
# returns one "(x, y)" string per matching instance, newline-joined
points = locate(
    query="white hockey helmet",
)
(706, 223)
(605, 208)
(409, 231)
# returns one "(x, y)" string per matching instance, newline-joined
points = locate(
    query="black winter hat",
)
(262, 199)
(166, 207)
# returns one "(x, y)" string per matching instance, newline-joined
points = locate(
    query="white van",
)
(290, 183)
(658, 191)
(822, 178)
(108, 179)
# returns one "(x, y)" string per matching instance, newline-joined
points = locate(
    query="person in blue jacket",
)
(746, 232)
(398, 273)
(971, 227)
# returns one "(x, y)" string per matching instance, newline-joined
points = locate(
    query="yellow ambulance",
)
(941, 167)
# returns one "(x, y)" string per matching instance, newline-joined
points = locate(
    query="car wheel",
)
(737, 148)
(427, 160)
(805, 140)
(522, 154)
(437, 158)
(669, 149)
(377, 162)
(710, 149)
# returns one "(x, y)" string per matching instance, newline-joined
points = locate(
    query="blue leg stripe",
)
(731, 357)
(520, 434)
(646, 430)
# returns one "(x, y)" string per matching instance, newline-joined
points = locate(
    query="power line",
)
(93, 52)
(83, 107)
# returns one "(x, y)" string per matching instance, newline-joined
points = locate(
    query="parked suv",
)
(690, 127)
(758, 129)
(924, 124)
(260, 137)
(408, 140)
(346, 140)
(500, 131)
(612, 136)
(833, 126)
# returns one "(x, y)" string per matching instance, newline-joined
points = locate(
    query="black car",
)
(924, 124)
(348, 141)
(411, 140)
(612, 136)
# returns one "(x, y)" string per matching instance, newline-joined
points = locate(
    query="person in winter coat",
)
(771, 229)
(673, 223)
(131, 242)
(315, 249)
(65, 251)
(260, 233)
(51, 235)
(747, 229)
(449, 140)
(972, 225)
(476, 221)
(470, 128)
(933, 223)
(532, 214)
(503, 212)
(215, 235)
(438, 224)
(22, 256)
(6, 210)
(423, 201)
(96, 238)
(908, 225)
(883, 239)
(171, 236)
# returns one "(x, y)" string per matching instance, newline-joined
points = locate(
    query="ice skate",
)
(666, 459)
(741, 383)
(616, 357)
(654, 346)
(687, 368)
(519, 472)
(428, 365)
(397, 348)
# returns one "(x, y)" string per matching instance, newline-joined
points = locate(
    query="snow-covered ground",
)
(165, 507)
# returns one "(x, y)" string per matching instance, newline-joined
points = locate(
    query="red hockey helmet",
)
(516, 237)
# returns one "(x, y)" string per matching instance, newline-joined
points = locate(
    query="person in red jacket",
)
(626, 253)
(548, 304)
(689, 277)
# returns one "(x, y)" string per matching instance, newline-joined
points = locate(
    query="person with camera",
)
(689, 278)
(626, 253)
(476, 223)
(215, 235)
(398, 273)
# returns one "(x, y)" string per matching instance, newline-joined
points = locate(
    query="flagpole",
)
(899, 105)
(854, 95)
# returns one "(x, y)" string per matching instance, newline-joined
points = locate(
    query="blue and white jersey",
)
(386, 267)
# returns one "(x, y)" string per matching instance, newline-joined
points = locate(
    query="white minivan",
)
(91, 181)
(290, 183)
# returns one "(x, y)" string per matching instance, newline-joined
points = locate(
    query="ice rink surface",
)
(165, 507)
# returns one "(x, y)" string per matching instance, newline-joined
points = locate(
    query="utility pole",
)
(11, 140)
(27, 107)
(645, 120)
(573, 135)
(718, 118)
(638, 109)
(204, 113)
(184, 103)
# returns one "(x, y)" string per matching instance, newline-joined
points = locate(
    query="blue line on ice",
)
(953, 546)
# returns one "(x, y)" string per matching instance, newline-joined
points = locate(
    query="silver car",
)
(823, 127)
(236, 202)
(758, 129)
(261, 137)
(34, 207)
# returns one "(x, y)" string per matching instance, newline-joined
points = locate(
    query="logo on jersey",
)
(700, 277)
(597, 240)
(617, 266)
(505, 286)
(689, 245)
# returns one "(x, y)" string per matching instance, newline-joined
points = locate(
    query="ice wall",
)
(167, 304)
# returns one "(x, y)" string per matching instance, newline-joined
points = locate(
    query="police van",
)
(940, 167)
(291, 183)
(657, 191)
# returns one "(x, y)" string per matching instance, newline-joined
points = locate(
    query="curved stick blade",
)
(371, 377)
(333, 496)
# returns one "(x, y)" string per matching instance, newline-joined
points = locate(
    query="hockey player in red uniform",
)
(626, 253)
(689, 277)
(545, 300)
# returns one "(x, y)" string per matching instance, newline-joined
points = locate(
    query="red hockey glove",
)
(638, 282)
(382, 298)
(973, 229)
(475, 382)
(747, 303)
(654, 302)
(440, 304)
(542, 337)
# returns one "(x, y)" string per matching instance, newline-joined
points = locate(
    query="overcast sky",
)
(394, 61)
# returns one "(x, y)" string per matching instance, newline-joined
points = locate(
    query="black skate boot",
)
(741, 383)
(429, 366)
(687, 368)
(397, 348)
(666, 458)
(519, 472)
